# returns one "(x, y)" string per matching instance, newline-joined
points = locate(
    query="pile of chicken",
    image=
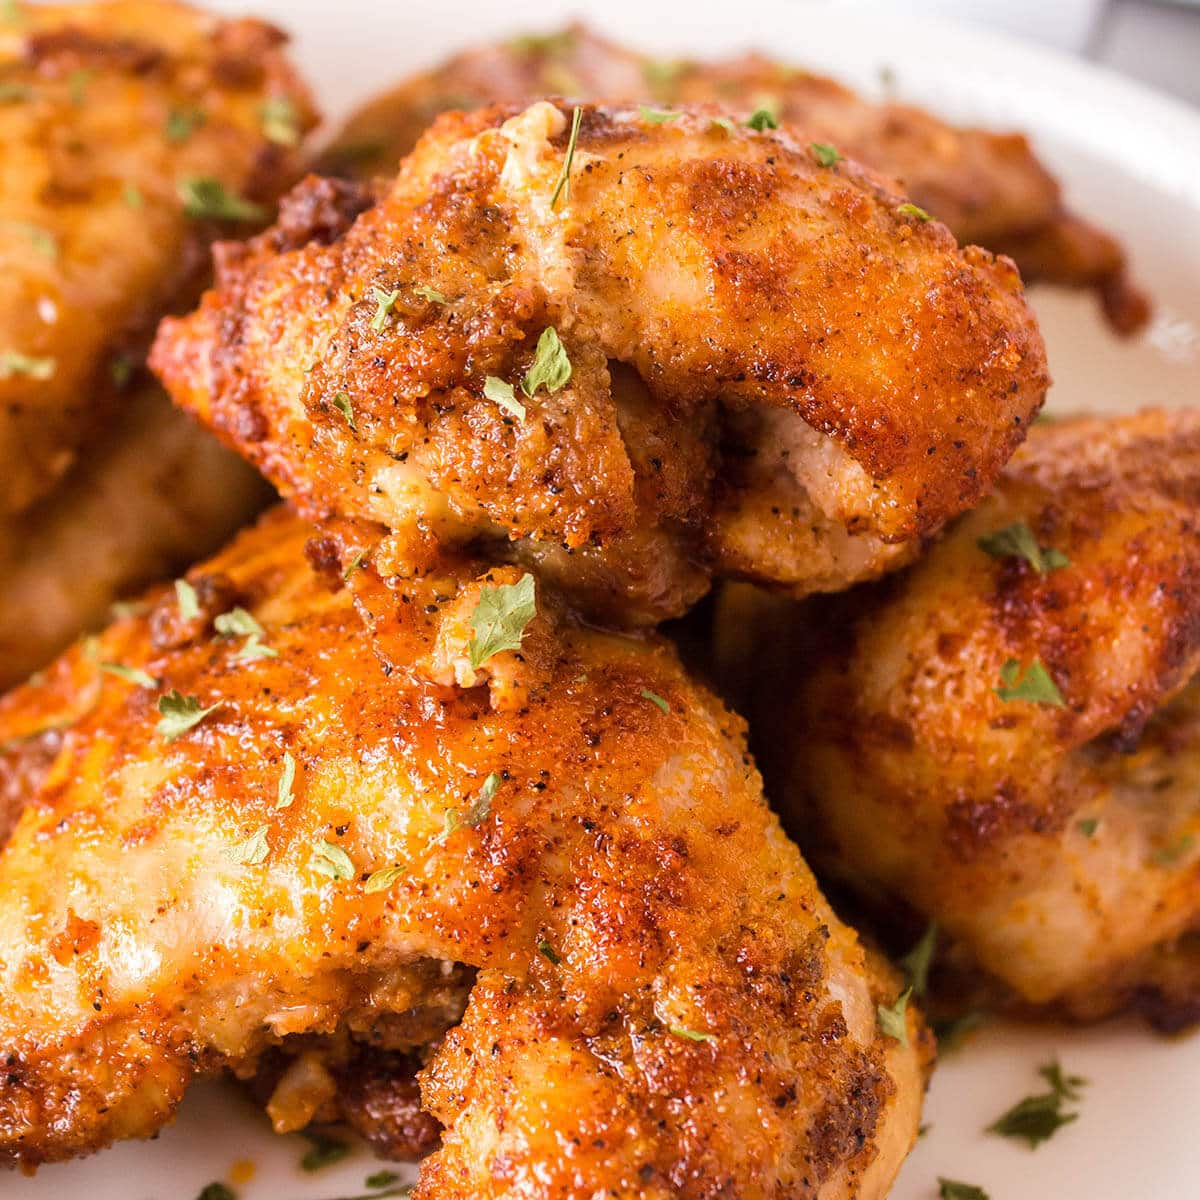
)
(398, 808)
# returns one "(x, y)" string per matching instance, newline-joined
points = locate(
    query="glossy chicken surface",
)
(109, 114)
(1054, 834)
(744, 327)
(988, 187)
(663, 1005)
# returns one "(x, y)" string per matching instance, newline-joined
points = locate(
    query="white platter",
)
(1130, 160)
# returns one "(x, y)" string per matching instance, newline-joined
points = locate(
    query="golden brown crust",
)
(626, 878)
(1055, 843)
(907, 368)
(95, 237)
(988, 187)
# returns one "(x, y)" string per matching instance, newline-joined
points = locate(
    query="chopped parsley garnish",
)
(724, 123)
(239, 623)
(952, 1189)
(121, 370)
(287, 777)
(189, 603)
(692, 1035)
(179, 714)
(501, 393)
(1035, 1119)
(1088, 826)
(1017, 541)
(206, 198)
(251, 851)
(480, 810)
(356, 564)
(658, 116)
(655, 699)
(551, 368)
(130, 674)
(913, 210)
(183, 122)
(329, 859)
(548, 952)
(825, 154)
(382, 1179)
(342, 403)
(1032, 683)
(216, 1191)
(953, 1032)
(762, 118)
(1069, 1087)
(132, 195)
(323, 1151)
(499, 619)
(563, 186)
(430, 294)
(382, 879)
(663, 73)
(280, 121)
(383, 306)
(1168, 856)
(13, 363)
(893, 1019)
(917, 961)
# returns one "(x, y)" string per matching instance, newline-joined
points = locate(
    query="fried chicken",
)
(989, 188)
(662, 1002)
(712, 321)
(1007, 736)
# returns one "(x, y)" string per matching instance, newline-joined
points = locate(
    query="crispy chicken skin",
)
(107, 110)
(664, 1003)
(869, 377)
(1060, 846)
(989, 188)
(153, 493)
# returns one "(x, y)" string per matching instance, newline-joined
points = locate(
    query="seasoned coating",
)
(1057, 845)
(989, 188)
(665, 1005)
(107, 111)
(153, 494)
(717, 292)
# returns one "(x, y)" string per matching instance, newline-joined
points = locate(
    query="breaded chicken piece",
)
(717, 321)
(132, 133)
(989, 188)
(663, 1004)
(1007, 736)
(154, 493)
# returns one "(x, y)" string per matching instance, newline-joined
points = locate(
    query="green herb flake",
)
(430, 294)
(356, 564)
(1032, 683)
(323, 1151)
(692, 1035)
(77, 84)
(251, 851)
(499, 619)
(551, 368)
(480, 810)
(721, 123)
(237, 623)
(120, 370)
(501, 393)
(280, 122)
(287, 777)
(179, 714)
(548, 952)
(953, 1189)
(330, 859)
(917, 961)
(13, 363)
(132, 195)
(1035, 1119)
(381, 880)
(216, 1191)
(825, 154)
(342, 403)
(205, 198)
(1088, 826)
(657, 116)
(1168, 856)
(563, 186)
(1069, 1087)
(761, 119)
(952, 1033)
(893, 1019)
(383, 306)
(42, 240)
(183, 122)
(662, 74)
(655, 699)
(188, 601)
(382, 1179)
(913, 210)
(1017, 541)
(129, 674)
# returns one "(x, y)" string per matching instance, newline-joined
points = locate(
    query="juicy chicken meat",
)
(109, 113)
(988, 187)
(660, 1003)
(746, 331)
(1057, 843)
(153, 494)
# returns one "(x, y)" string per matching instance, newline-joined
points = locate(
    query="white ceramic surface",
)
(1131, 160)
